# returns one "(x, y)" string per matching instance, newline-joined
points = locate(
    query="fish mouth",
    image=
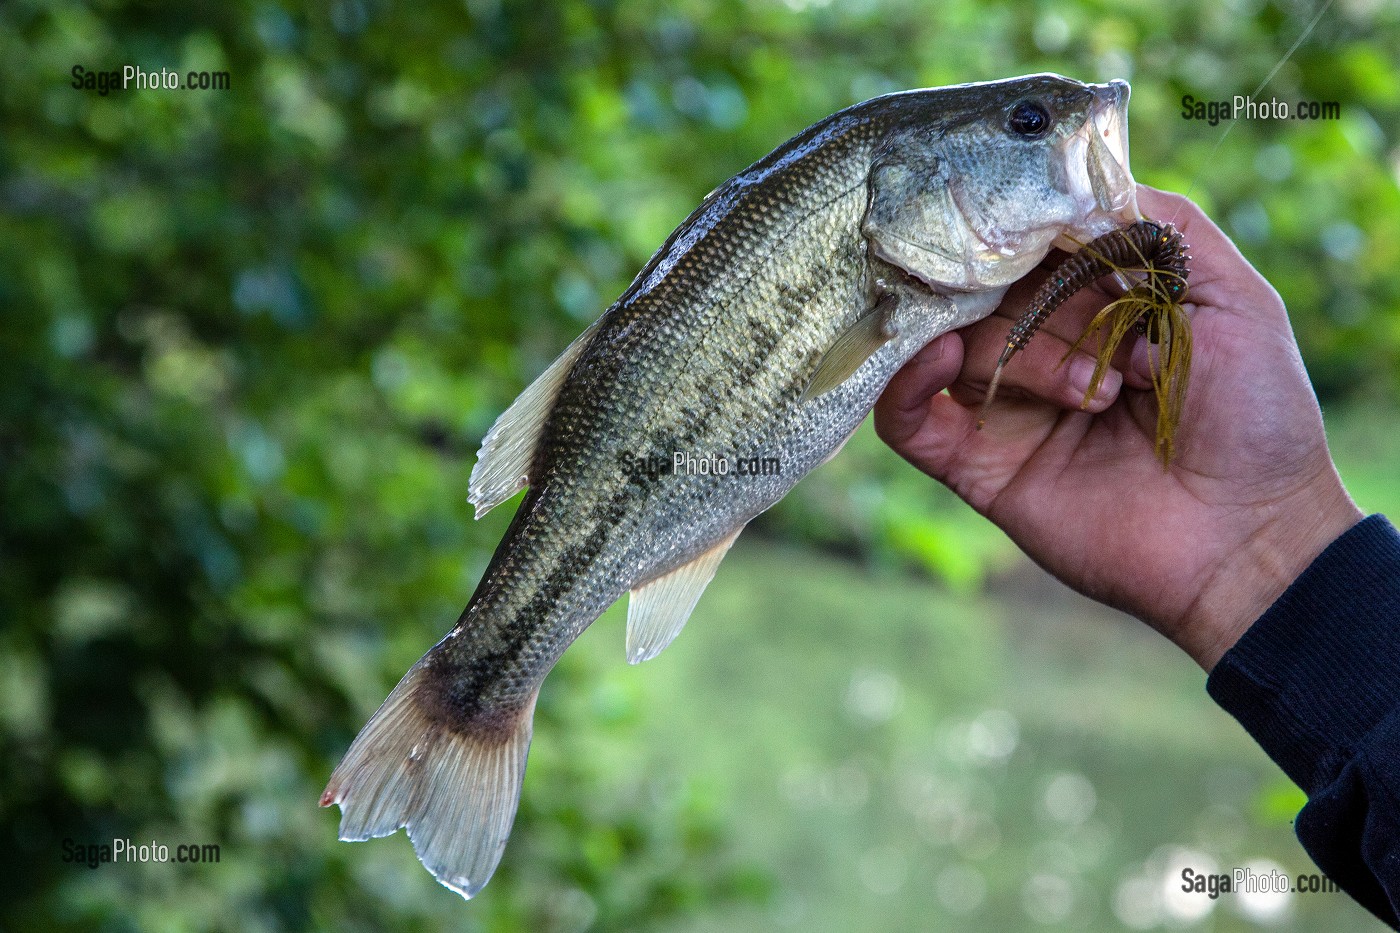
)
(1098, 158)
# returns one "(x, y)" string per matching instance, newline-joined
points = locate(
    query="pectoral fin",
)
(503, 463)
(860, 341)
(657, 611)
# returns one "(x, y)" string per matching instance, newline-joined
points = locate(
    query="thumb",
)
(903, 407)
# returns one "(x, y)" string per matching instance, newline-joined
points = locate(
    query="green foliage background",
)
(251, 340)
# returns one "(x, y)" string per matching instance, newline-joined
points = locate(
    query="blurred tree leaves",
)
(252, 338)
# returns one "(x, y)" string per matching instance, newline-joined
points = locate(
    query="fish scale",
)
(765, 327)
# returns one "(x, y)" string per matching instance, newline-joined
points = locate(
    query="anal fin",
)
(657, 611)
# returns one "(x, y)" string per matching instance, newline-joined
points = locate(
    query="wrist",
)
(1242, 587)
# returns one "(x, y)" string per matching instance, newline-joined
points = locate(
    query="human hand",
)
(1198, 550)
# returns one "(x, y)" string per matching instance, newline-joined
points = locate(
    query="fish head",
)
(973, 184)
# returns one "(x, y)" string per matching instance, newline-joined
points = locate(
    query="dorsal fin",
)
(503, 463)
(657, 611)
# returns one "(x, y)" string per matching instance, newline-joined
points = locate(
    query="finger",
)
(1134, 362)
(943, 432)
(1219, 276)
(901, 408)
(977, 464)
(1143, 363)
(1045, 370)
(1186, 216)
(1105, 286)
(1022, 293)
(1072, 317)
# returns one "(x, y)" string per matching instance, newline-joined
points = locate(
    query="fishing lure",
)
(1146, 248)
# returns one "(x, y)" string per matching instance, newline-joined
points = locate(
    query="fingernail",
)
(933, 352)
(1081, 375)
(1142, 363)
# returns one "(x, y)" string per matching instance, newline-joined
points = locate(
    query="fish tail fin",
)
(455, 788)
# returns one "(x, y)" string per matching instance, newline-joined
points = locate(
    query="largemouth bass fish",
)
(743, 355)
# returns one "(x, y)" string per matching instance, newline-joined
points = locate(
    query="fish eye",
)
(1029, 119)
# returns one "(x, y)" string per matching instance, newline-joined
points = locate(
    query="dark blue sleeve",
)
(1316, 681)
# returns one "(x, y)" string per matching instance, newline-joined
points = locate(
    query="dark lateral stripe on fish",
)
(606, 512)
